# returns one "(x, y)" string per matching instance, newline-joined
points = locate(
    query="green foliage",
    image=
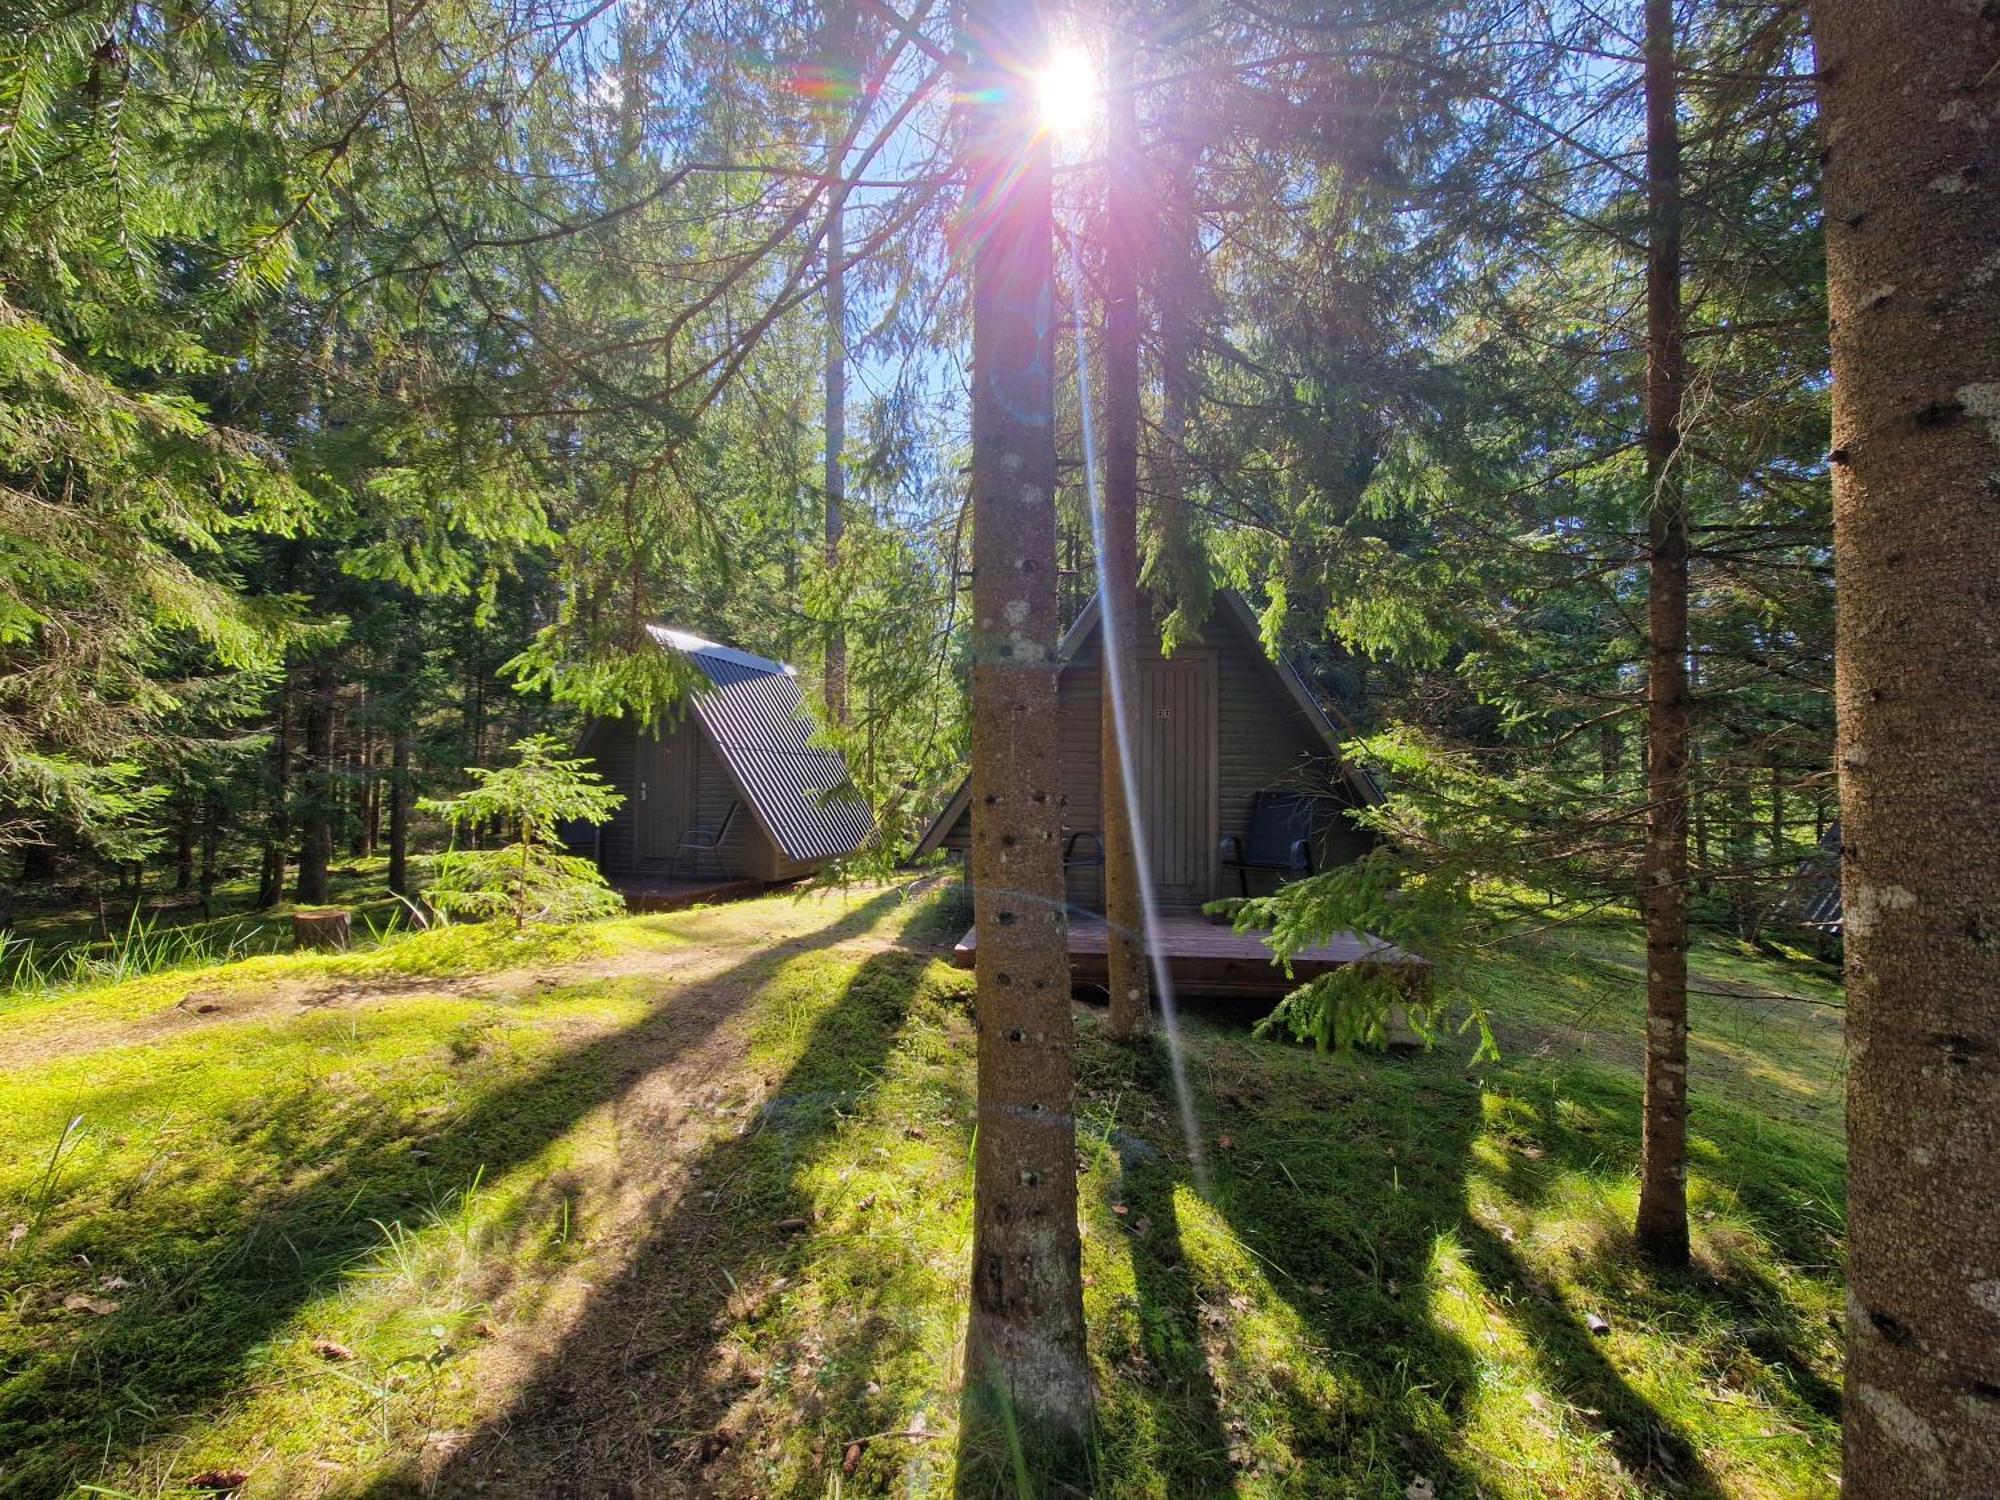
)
(531, 879)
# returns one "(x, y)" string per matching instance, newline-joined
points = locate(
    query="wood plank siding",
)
(1259, 739)
(739, 755)
(747, 854)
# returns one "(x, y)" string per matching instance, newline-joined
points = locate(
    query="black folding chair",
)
(1280, 837)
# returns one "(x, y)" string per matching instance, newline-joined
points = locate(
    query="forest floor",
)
(680, 1205)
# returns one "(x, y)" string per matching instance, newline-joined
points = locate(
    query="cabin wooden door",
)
(666, 790)
(1177, 775)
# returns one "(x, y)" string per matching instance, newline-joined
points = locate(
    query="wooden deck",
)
(659, 893)
(1209, 958)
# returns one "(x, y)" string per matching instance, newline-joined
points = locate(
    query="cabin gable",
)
(1264, 735)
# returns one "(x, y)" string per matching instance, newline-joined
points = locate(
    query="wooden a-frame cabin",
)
(730, 798)
(1234, 758)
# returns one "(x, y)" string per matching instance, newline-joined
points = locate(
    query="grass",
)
(54, 950)
(681, 1205)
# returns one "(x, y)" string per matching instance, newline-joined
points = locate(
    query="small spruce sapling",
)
(531, 879)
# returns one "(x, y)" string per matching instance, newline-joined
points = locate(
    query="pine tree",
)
(1910, 92)
(1118, 544)
(1662, 1226)
(1024, 1352)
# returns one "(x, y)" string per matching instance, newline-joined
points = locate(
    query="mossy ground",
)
(680, 1205)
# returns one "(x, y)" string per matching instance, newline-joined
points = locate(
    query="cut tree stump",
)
(324, 927)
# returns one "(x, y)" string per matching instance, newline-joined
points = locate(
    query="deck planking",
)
(1208, 958)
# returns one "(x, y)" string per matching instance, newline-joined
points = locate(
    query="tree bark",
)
(278, 824)
(184, 846)
(364, 787)
(1910, 110)
(1025, 1359)
(1118, 555)
(399, 812)
(1662, 1228)
(320, 804)
(321, 929)
(211, 843)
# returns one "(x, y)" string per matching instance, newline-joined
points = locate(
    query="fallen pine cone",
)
(328, 1349)
(220, 1481)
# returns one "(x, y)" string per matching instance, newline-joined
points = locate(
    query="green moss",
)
(1390, 1271)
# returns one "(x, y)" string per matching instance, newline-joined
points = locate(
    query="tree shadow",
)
(637, 1397)
(1784, 1195)
(1345, 1178)
(1645, 1442)
(1170, 1364)
(1342, 1185)
(207, 1300)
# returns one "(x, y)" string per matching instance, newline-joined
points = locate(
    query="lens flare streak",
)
(1163, 984)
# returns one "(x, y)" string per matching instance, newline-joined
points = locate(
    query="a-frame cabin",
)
(1218, 724)
(734, 794)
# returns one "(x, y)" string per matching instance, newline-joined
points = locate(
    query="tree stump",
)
(321, 927)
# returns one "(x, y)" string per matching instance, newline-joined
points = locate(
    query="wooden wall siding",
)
(1174, 722)
(1079, 701)
(664, 773)
(1267, 745)
(748, 851)
(1263, 743)
(612, 746)
(747, 854)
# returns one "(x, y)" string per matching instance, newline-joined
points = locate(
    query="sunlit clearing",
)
(1068, 92)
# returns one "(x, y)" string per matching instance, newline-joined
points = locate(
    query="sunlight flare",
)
(1068, 92)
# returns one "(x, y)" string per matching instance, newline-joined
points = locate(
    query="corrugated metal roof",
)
(1814, 897)
(752, 714)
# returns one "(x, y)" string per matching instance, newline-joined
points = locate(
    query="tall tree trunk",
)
(1118, 553)
(211, 843)
(836, 365)
(184, 846)
(1910, 97)
(363, 837)
(399, 812)
(1663, 1226)
(1777, 875)
(373, 841)
(278, 823)
(322, 788)
(1024, 1347)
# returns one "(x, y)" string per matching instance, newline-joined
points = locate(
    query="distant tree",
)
(1118, 544)
(530, 879)
(1910, 92)
(840, 73)
(1025, 1362)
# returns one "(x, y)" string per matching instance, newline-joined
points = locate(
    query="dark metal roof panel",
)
(753, 717)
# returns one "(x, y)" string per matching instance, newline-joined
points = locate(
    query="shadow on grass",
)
(1341, 1179)
(1168, 1368)
(637, 1398)
(83, 1399)
(1645, 1442)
